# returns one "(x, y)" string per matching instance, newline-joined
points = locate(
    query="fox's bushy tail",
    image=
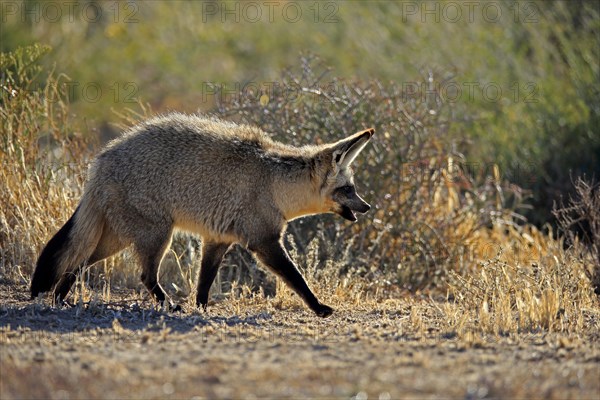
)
(73, 244)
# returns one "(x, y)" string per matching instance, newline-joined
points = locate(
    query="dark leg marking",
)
(273, 254)
(212, 255)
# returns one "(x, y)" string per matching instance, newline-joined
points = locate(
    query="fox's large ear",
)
(346, 150)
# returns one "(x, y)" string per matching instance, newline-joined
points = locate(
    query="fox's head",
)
(338, 192)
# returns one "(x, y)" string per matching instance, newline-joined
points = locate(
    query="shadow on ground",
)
(18, 311)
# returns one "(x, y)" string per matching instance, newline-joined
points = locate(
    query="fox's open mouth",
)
(347, 213)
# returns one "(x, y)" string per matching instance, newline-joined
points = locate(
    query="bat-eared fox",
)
(228, 183)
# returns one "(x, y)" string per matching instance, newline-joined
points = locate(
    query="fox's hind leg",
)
(272, 253)
(108, 245)
(212, 255)
(151, 246)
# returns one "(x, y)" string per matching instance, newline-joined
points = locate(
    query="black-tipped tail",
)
(47, 269)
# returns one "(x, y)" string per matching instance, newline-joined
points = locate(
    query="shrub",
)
(427, 205)
(579, 221)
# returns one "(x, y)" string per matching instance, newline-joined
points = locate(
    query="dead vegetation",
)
(579, 221)
(443, 262)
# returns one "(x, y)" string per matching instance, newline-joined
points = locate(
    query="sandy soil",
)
(258, 348)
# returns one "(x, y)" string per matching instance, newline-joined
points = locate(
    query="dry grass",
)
(41, 165)
(532, 284)
(441, 267)
(502, 277)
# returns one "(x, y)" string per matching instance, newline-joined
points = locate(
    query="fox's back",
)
(198, 170)
(175, 142)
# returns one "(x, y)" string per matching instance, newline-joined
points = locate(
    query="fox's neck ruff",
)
(297, 194)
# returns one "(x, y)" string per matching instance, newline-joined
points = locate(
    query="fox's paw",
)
(64, 303)
(175, 308)
(170, 307)
(202, 305)
(323, 311)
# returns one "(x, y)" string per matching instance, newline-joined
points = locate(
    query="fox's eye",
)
(348, 190)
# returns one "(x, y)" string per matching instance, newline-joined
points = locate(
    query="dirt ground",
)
(256, 348)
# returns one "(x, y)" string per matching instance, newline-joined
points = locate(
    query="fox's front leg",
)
(272, 253)
(212, 254)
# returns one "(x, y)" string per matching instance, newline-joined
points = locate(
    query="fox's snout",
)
(363, 207)
(348, 202)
